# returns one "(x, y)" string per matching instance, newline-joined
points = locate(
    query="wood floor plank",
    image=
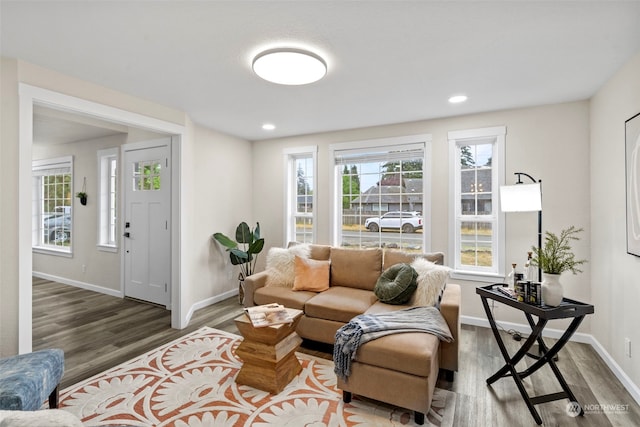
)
(98, 332)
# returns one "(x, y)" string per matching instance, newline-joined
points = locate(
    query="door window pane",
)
(146, 175)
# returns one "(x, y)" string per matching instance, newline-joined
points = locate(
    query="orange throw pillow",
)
(311, 275)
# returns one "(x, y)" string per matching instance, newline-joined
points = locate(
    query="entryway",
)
(31, 96)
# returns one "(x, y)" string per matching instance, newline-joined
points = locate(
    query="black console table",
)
(567, 309)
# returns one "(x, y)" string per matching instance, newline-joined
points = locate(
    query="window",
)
(477, 231)
(146, 175)
(108, 198)
(381, 193)
(301, 184)
(52, 205)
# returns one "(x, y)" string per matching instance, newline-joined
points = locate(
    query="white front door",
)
(147, 221)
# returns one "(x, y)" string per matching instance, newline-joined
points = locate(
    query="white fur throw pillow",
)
(432, 279)
(281, 265)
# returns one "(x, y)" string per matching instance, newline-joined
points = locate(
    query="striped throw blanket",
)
(367, 327)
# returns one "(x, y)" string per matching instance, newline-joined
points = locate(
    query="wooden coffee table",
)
(268, 353)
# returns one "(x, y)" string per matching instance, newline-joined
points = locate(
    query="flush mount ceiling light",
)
(457, 99)
(268, 126)
(287, 66)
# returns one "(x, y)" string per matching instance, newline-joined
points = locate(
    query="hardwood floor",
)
(98, 331)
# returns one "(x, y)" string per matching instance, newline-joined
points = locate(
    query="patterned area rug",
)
(190, 382)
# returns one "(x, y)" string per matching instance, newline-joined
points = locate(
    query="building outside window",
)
(52, 203)
(477, 231)
(301, 183)
(381, 193)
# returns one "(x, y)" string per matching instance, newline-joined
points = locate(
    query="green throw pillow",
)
(396, 284)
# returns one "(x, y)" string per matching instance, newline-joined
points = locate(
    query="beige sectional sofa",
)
(399, 369)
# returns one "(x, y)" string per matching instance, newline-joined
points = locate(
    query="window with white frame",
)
(108, 198)
(381, 193)
(477, 231)
(301, 183)
(52, 202)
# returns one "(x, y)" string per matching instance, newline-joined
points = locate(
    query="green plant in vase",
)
(243, 251)
(554, 258)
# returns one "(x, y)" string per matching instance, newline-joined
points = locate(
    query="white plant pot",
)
(552, 293)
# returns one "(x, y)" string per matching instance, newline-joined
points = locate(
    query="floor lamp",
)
(523, 197)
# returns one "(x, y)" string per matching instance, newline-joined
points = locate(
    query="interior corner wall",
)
(615, 283)
(219, 168)
(549, 142)
(9, 154)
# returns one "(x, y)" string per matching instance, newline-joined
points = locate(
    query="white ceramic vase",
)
(551, 289)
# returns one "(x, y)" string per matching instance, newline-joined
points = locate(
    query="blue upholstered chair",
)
(28, 379)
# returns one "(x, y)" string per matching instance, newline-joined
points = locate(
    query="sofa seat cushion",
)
(383, 307)
(339, 303)
(410, 352)
(287, 297)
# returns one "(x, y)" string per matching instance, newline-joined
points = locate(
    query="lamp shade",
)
(521, 198)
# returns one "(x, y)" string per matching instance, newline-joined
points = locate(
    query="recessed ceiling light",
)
(288, 66)
(456, 99)
(268, 126)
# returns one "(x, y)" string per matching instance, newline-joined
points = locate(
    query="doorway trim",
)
(30, 95)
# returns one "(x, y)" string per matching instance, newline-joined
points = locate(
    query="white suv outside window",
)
(409, 222)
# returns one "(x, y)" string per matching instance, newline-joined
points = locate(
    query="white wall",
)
(8, 207)
(219, 199)
(548, 142)
(615, 274)
(102, 269)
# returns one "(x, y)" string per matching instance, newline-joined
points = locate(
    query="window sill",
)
(473, 276)
(48, 251)
(107, 248)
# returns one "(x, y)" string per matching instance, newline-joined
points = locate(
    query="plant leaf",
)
(225, 241)
(243, 233)
(256, 247)
(239, 257)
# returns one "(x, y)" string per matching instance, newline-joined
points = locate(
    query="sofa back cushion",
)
(355, 268)
(317, 252)
(320, 252)
(392, 257)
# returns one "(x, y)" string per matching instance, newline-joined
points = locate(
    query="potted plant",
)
(554, 258)
(243, 250)
(82, 196)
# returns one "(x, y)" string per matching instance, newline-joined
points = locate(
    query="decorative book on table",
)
(268, 315)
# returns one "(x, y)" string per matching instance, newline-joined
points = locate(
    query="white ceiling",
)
(389, 61)
(57, 127)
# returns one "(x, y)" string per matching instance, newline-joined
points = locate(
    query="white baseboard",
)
(78, 284)
(629, 385)
(210, 301)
